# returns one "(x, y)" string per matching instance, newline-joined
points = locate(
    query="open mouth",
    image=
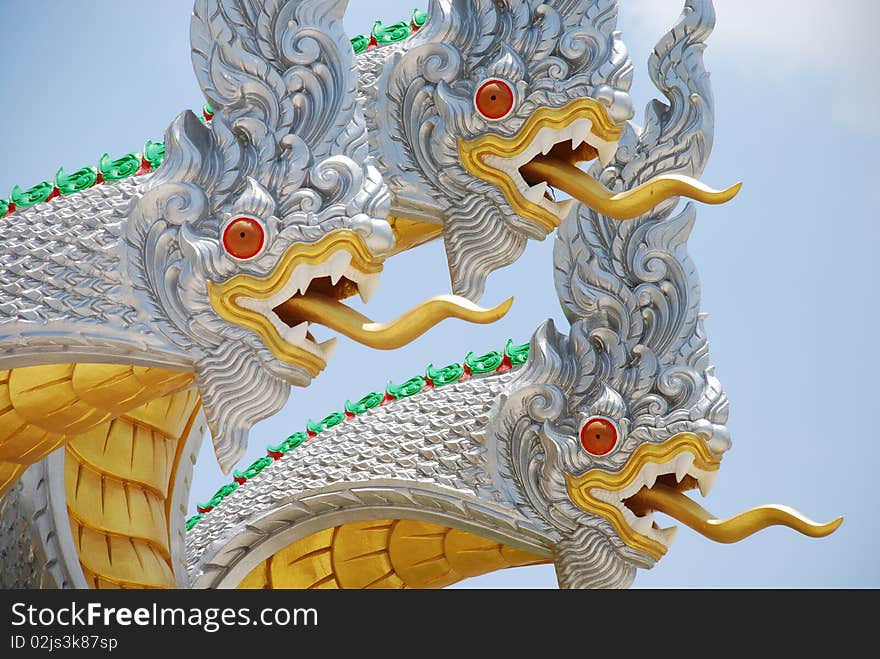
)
(572, 145)
(336, 279)
(308, 287)
(655, 479)
(546, 155)
(679, 475)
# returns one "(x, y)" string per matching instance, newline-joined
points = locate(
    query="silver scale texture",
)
(489, 454)
(399, 455)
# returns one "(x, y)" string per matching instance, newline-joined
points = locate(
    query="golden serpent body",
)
(122, 429)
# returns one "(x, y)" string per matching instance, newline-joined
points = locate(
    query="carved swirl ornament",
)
(163, 295)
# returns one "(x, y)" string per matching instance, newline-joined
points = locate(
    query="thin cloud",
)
(833, 45)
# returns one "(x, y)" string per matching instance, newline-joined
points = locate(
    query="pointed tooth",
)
(367, 287)
(667, 536)
(707, 482)
(336, 265)
(629, 491)
(301, 279)
(547, 141)
(297, 334)
(606, 150)
(649, 474)
(328, 348)
(536, 193)
(643, 524)
(336, 268)
(682, 463)
(564, 134)
(580, 131)
(312, 273)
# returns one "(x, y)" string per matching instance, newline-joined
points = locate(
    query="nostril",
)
(377, 233)
(717, 436)
(720, 442)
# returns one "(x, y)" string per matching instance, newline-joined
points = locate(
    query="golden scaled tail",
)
(675, 504)
(331, 313)
(626, 205)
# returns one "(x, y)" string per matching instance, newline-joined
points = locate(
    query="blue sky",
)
(787, 268)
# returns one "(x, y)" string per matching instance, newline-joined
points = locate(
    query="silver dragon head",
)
(567, 458)
(604, 425)
(488, 108)
(273, 200)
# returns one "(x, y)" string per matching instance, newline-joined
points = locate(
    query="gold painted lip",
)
(474, 154)
(282, 306)
(229, 297)
(655, 479)
(546, 153)
(604, 492)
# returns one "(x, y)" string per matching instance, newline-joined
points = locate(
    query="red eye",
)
(494, 99)
(599, 436)
(244, 238)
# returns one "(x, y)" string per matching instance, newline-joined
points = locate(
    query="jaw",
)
(546, 155)
(308, 287)
(656, 478)
(336, 267)
(681, 463)
(578, 132)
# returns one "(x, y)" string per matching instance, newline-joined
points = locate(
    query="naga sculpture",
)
(139, 312)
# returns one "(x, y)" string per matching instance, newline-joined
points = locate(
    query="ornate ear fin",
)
(254, 200)
(636, 278)
(573, 12)
(336, 8)
(470, 26)
(188, 147)
(678, 134)
(275, 68)
(507, 65)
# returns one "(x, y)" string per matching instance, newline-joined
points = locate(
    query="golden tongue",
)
(677, 505)
(565, 176)
(331, 313)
